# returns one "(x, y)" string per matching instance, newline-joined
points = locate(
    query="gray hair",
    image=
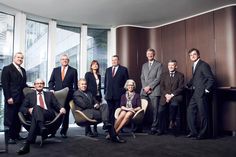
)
(130, 81)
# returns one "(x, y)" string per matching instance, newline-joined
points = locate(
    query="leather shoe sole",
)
(23, 150)
(63, 135)
(190, 136)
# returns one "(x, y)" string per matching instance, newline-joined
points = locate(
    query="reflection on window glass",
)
(68, 42)
(6, 50)
(36, 51)
(97, 49)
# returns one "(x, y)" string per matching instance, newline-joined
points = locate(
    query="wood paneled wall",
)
(214, 34)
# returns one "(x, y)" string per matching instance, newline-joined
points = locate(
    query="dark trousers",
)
(65, 122)
(11, 119)
(163, 115)
(39, 116)
(99, 114)
(198, 105)
(112, 105)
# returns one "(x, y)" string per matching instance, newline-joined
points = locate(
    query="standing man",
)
(172, 86)
(201, 84)
(150, 78)
(40, 106)
(61, 77)
(13, 81)
(115, 78)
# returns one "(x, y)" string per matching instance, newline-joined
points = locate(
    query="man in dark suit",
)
(150, 78)
(85, 102)
(201, 84)
(61, 77)
(115, 78)
(41, 106)
(172, 85)
(13, 81)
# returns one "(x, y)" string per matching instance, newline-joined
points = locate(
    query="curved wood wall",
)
(213, 34)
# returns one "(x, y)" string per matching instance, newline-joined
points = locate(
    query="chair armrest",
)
(138, 117)
(55, 119)
(117, 112)
(22, 119)
(81, 117)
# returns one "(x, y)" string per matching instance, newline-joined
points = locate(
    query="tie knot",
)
(40, 93)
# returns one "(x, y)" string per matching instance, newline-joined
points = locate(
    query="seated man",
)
(84, 100)
(172, 85)
(40, 105)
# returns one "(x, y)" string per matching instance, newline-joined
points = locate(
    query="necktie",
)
(41, 103)
(63, 73)
(113, 71)
(150, 65)
(172, 74)
(19, 69)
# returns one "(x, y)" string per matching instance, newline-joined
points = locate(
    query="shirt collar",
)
(17, 66)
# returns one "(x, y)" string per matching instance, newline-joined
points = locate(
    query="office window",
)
(6, 50)
(68, 42)
(97, 49)
(36, 51)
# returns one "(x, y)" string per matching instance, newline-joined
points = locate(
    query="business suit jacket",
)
(114, 86)
(70, 80)
(85, 103)
(13, 83)
(202, 79)
(151, 78)
(173, 85)
(92, 85)
(31, 100)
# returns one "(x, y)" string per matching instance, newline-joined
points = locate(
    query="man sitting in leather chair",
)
(85, 102)
(41, 106)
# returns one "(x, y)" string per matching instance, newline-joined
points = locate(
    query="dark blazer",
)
(31, 100)
(202, 79)
(70, 80)
(84, 102)
(13, 83)
(136, 101)
(114, 86)
(92, 85)
(173, 85)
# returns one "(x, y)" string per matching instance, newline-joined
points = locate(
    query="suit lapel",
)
(15, 69)
(198, 64)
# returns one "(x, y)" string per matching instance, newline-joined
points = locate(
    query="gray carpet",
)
(77, 145)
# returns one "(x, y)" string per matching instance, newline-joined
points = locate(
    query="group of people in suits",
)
(162, 89)
(165, 91)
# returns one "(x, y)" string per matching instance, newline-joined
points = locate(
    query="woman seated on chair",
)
(130, 104)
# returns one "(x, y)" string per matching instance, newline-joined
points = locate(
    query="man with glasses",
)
(40, 106)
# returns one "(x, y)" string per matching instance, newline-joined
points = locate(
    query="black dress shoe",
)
(11, 141)
(90, 134)
(63, 135)
(51, 136)
(24, 150)
(190, 136)
(200, 137)
(117, 139)
(159, 133)
(153, 132)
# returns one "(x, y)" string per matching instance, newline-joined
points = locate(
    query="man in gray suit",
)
(150, 78)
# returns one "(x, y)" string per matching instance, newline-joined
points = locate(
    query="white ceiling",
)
(116, 12)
